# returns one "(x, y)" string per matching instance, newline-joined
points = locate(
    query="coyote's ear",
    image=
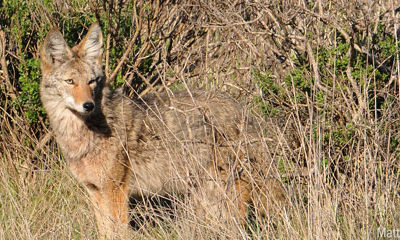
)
(91, 47)
(55, 50)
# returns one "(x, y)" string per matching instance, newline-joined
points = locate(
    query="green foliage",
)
(385, 42)
(270, 90)
(29, 98)
(298, 78)
(341, 135)
(176, 86)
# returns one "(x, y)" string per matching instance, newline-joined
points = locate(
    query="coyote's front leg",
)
(111, 209)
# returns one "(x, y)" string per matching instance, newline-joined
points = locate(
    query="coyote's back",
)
(200, 145)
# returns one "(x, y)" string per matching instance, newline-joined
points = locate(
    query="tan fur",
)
(199, 143)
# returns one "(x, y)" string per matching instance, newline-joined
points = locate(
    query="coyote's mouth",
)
(81, 114)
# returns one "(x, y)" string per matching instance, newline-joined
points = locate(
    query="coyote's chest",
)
(98, 165)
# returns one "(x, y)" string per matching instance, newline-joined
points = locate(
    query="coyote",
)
(196, 144)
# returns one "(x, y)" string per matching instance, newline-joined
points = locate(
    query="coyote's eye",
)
(69, 81)
(94, 80)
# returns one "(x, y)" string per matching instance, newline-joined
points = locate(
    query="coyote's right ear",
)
(55, 50)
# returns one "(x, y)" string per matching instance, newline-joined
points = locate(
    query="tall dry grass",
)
(324, 73)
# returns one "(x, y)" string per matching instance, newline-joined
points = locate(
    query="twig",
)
(149, 85)
(315, 68)
(149, 88)
(397, 46)
(107, 67)
(353, 82)
(3, 63)
(130, 46)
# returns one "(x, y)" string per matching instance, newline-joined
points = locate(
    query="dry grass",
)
(322, 64)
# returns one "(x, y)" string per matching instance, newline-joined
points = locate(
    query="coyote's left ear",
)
(91, 47)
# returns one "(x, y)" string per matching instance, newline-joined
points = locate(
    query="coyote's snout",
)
(79, 95)
(200, 145)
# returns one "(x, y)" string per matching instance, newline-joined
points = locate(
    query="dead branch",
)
(3, 62)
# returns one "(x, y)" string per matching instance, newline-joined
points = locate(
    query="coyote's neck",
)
(72, 133)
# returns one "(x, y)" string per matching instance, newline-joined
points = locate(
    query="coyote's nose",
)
(88, 106)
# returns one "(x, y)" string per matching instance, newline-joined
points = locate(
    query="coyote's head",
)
(73, 74)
